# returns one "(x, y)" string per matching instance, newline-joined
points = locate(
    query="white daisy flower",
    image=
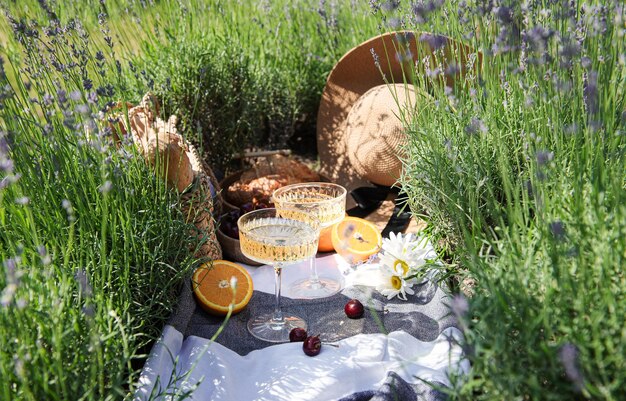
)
(401, 258)
(393, 285)
(403, 253)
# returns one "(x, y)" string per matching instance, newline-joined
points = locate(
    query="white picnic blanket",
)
(364, 365)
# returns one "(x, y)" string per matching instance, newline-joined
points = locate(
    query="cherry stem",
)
(331, 344)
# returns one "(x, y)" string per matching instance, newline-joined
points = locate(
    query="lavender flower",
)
(75, 96)
(557, 228)
(422, 10)
(544, 157)
(47, 99)
(452, 69)
(390, 5)
(6, 164)
(23, 200)
(537, 38)
(43, 254)
(105, 187)
(375, 57)
(67, 205)
(61, 97)
(590, 92)
(88, 311)
(434, 41)
(568, 356)
(12, 280)
(459, 306)
(18, 367)
(92, 98)
(475, 126)
(83, 283)
(404, 56)
(374, 6)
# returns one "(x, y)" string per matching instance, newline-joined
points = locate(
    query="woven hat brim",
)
(354, 74)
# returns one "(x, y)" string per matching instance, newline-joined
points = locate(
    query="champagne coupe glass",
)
(277, 237)
(327, 202)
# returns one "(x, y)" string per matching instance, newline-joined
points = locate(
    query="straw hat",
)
(359, 133)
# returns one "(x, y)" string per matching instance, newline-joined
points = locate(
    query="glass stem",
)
(314, 278)
(278, 314)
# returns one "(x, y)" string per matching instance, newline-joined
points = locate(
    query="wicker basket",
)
(197, 206)
(156, 138)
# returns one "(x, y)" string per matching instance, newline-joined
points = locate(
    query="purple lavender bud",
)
(557, 228)
(434, 41)
(459, 305)
(390, 5)
(105, 187)
(61, 96)
(475, 126)
(544, 157)
(590, 92)
(6, 165)
(568, 356)
(43, 254)
(83, 282)
(47, 99)
(22, 200)
(504, 14)
(375, 57)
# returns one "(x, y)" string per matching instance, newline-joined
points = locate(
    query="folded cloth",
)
(387, 354)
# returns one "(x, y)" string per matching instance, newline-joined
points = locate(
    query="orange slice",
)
(212, 285)
(356, 239)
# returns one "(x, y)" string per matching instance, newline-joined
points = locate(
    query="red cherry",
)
(260, 205)
(354, 309)
(233, 215)
(247, 207)
(297, 335)
(231, 229)
(312, 345)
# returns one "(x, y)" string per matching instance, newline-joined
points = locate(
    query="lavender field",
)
(518, 166)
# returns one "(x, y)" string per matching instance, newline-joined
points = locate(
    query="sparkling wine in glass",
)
(277, 237)
(326, 202)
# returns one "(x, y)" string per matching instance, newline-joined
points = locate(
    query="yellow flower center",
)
(396, 282)
(403, 265)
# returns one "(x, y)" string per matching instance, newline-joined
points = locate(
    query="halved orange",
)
(356, 239)
(325, 243)
(211, 283)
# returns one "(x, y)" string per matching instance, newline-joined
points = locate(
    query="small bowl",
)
(232, 250)
(225, 184)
